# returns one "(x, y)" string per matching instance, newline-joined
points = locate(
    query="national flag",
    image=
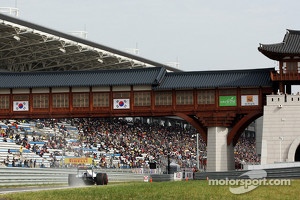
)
(20, 106)
(121, 103)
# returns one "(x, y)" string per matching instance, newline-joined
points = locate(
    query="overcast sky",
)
(199, 35)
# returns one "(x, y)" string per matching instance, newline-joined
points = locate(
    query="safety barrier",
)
(37, 176)
(276, 173)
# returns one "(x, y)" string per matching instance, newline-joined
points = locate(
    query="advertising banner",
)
(177, 176)
(227, 101)
(77, 161)
(249, 100)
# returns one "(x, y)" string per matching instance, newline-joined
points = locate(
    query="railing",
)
(276, 76)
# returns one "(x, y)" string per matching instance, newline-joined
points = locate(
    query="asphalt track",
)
(33, 189)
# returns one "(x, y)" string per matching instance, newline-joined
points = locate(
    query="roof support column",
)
(288, 89)
(281, 87)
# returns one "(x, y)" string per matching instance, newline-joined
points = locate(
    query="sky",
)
(198, 35)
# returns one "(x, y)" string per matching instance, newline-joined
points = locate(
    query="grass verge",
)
(160, 190)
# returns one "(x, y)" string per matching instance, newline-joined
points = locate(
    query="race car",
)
(86, 175)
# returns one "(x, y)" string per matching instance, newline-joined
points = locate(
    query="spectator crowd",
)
(119, 142)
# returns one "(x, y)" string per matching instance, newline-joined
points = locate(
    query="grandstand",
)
(10, 150)
(109, 143)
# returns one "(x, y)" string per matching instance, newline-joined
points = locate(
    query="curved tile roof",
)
(143, 76)
(217, 79)
(290, 46)
(157, 77)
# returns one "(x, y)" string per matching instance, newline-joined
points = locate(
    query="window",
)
(4, 102)
(60, 100)
(163, 98)
(249, 91)
(227, 92)
(81, 100)
(142, 99)
(206, 97)
(101, 99)
(40, 101)
(290, 67)
(184, 97)
(21, 97)
(121, 95)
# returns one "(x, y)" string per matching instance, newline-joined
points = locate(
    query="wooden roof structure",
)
(288, 48)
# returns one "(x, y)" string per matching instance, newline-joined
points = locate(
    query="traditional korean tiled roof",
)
(289, 47)
(157, 77)
(217, 79)
(143, 76)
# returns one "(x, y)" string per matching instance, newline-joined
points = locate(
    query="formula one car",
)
(86, 175)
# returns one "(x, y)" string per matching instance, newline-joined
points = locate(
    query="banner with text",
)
(227, 101)
(77, 161)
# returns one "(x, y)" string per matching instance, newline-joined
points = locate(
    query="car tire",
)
(99, 179)
(105, 178)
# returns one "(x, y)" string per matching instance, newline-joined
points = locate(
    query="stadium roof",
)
(25, 46)
(157, 77)
(289, 47)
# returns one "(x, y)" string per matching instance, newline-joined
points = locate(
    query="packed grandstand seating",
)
(109, 142)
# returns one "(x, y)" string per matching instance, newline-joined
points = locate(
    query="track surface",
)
(33, 189)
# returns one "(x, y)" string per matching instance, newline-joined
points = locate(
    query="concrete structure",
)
(280, 133)
(281, 126)
(220, 156)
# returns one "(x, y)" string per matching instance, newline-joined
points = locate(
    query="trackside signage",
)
(76, 161)
(255, 178)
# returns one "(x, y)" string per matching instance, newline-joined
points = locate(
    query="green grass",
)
(159, 191)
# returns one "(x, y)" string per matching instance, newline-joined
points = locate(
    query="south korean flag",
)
(121, 103)
(21, 106)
